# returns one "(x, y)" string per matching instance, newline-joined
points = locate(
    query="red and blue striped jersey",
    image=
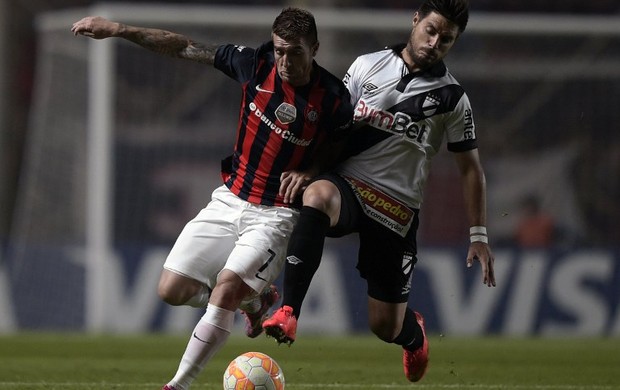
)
(280, 126)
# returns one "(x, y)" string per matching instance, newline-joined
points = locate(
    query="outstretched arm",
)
(474, 188)
(160, 41)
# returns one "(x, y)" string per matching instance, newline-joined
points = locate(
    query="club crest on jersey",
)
(430, 105)
(409, 261)
(286, 113)
(312, 115)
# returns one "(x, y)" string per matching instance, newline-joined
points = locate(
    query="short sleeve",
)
(460, 127)
(352, 81)
(237, 62)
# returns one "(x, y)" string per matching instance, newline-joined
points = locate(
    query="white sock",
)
(201, 299)
(208, 337)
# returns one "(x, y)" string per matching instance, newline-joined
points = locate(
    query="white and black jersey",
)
(403, 119)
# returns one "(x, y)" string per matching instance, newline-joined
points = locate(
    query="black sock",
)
(303, 255)
(410, 337)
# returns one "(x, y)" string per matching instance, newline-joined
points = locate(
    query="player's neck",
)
(409, 62)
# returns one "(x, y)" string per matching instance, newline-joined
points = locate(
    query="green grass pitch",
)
(74, 361)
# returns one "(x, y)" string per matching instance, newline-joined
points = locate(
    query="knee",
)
(321, 195)
(170, 295)
(229, 291)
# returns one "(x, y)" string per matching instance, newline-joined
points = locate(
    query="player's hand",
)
(292, 183)
(95, 27)
(482, 252)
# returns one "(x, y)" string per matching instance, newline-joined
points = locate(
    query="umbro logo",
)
(259, 89)
(369, 87)
(293, 260)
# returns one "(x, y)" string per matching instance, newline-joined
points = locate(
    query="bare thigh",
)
(176, 289)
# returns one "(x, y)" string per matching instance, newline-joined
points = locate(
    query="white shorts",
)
(233, 234)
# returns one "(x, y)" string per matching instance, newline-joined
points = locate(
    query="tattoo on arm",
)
(204, 53)
(170, 44)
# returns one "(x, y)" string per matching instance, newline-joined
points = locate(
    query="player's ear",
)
(416, 19)
(315, 48)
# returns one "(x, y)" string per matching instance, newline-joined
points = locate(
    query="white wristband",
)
(478, 230)
(478, 234)
(479, 238)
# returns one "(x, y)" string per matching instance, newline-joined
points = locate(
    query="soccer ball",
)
(253, 371)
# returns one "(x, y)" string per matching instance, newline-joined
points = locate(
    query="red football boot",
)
(282, 325)
(415, 362)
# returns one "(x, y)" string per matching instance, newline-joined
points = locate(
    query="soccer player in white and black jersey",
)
(406, 103)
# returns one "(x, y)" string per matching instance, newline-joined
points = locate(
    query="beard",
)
(423, 58)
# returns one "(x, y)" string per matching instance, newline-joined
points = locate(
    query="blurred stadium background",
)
(107, 150)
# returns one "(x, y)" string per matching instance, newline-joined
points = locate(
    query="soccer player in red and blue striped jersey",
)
(227, 257)
(280, 124)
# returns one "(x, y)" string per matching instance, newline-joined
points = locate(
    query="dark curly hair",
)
(456, 11)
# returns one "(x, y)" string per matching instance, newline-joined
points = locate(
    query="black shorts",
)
(386, 259)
